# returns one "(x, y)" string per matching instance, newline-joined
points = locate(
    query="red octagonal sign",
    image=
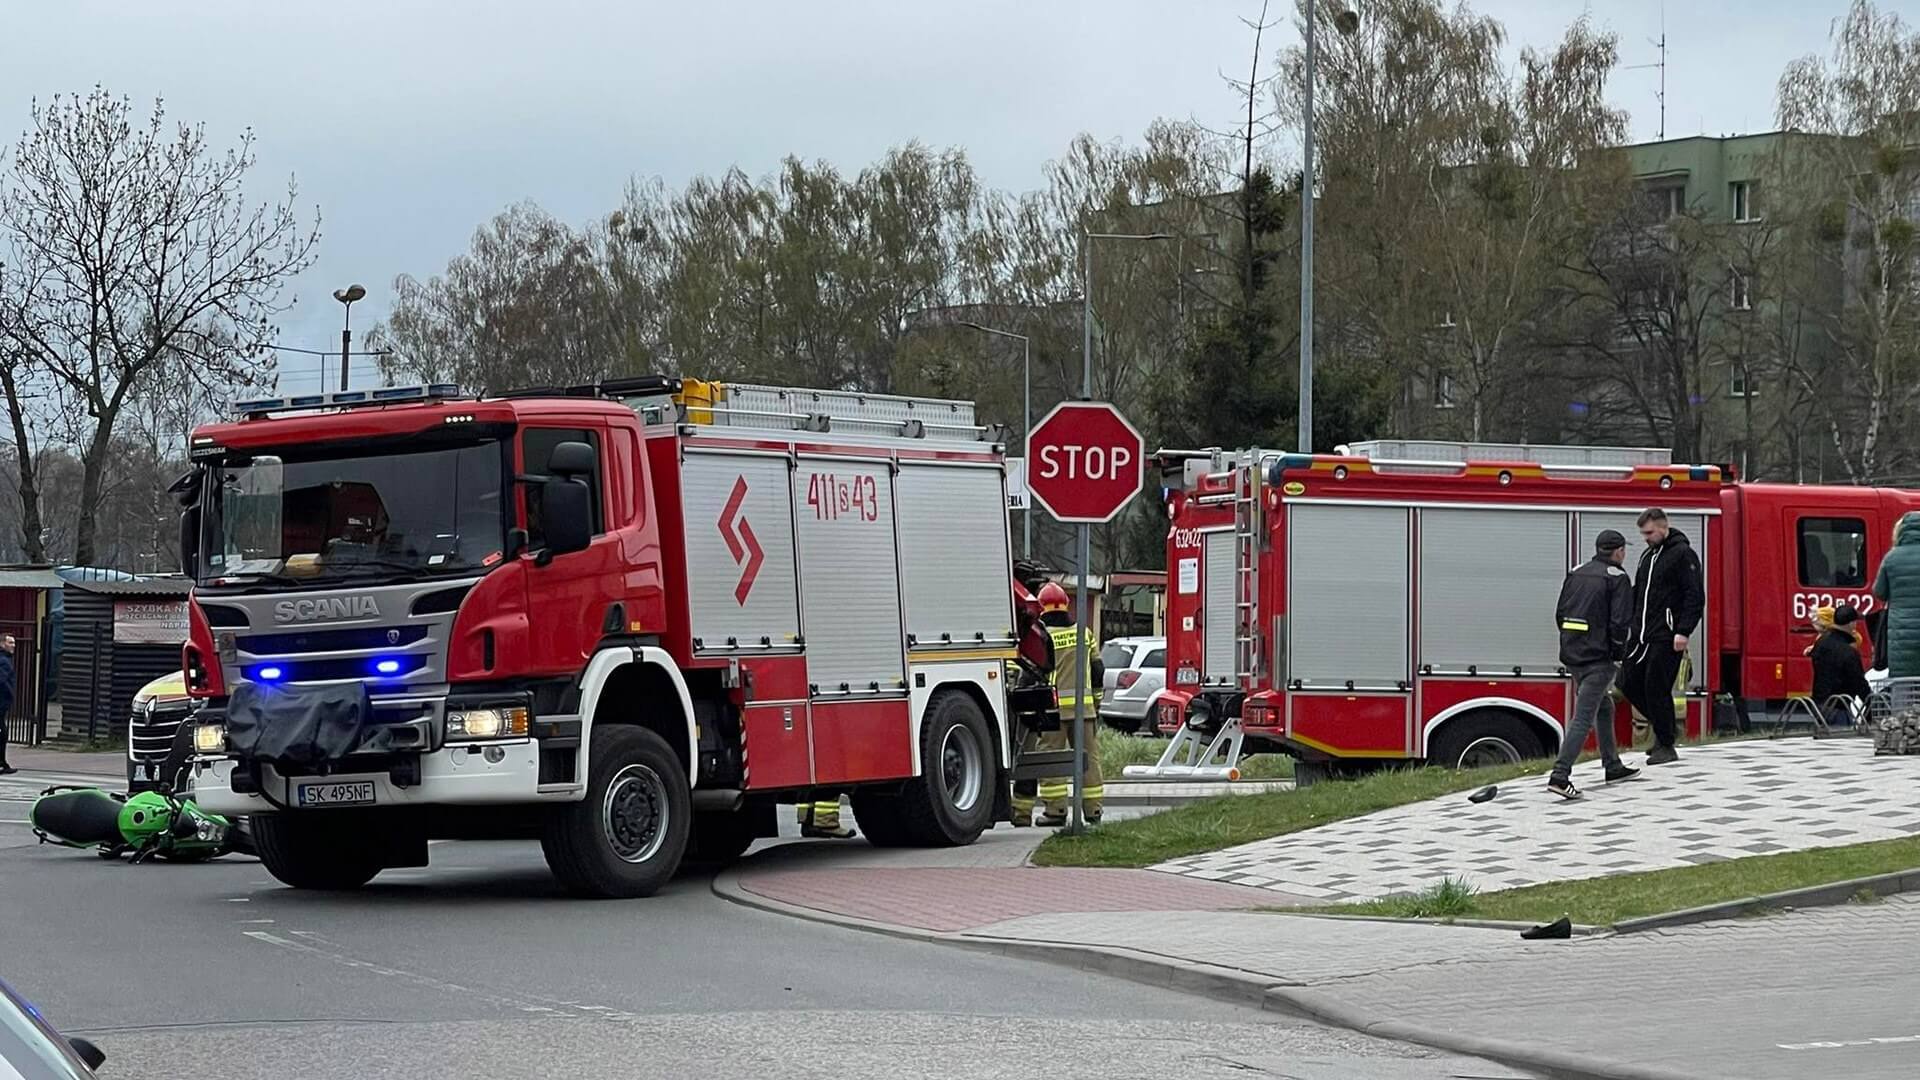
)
(1084, 461)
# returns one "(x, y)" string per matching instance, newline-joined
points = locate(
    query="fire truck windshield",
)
(387, 516)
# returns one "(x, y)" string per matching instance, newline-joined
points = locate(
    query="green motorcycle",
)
(152, 823)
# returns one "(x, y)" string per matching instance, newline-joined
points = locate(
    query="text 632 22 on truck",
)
(625, 619)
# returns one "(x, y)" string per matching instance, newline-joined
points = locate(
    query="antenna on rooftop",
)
(1661, 44)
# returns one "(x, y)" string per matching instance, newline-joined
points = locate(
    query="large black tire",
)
(316, 849)
(951, 802)
(626, 838)
(1483, 737)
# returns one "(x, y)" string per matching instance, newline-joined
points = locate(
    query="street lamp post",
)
(1078, 822)
(1026, 422)
(1346, 22)
(346, 297)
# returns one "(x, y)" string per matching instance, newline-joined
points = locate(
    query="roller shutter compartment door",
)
(738, 516)
(1348, 596)
(1489, 583)
(953, 547)
(849, 577)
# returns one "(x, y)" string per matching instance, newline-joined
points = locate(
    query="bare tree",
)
(1452, 189)
(1658, 311)
(1853, 204)
(131, 244)
(16, 375)
(533, 302)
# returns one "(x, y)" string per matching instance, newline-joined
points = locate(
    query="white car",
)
(1136, 670)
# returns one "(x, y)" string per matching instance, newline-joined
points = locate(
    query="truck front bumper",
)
(458, 775)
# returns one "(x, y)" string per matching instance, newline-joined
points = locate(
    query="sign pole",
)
(1078, 822)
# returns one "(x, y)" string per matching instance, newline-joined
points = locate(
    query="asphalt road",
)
(478, 967)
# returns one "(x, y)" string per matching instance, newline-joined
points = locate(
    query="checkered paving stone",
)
(1724, 801)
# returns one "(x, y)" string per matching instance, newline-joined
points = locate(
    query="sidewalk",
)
(1810, 993)
(1720, 801)
(1821, 992)
(112, 763)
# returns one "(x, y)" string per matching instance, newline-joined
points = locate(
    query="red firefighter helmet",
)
(1053, 597)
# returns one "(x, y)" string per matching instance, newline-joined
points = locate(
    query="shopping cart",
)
(1893, 717)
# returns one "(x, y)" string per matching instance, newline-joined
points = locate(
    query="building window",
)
(1737, 384)
(1740, 291)
(1742, 195)
(1833, 553)
(1442, 390)
(1668, 200)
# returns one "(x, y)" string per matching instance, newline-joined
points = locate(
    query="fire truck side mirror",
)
(566, 515)
(190, 541)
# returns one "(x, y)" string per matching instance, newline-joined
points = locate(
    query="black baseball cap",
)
(1608, 540)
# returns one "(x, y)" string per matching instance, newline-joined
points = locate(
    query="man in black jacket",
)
(1594, 613)
(1668, 601)
(6, 697)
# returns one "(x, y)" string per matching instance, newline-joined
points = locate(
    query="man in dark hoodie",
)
(1668, 600)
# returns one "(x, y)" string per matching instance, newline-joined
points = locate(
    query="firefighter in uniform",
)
(1072, 686)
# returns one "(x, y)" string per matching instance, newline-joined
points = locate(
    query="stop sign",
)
(1084, 461)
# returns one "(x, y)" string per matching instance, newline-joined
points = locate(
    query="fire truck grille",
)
(313, 641)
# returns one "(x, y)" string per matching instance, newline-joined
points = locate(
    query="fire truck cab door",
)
(568, 595)
(1832, 554)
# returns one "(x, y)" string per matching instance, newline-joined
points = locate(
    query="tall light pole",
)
(1346, 22)
(346, 297)
(1078, 822)
(1026, 422)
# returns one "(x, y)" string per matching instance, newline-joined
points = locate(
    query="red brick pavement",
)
(948, 899)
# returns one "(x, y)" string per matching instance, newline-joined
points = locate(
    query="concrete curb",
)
(1828, 895)
(1220, 984)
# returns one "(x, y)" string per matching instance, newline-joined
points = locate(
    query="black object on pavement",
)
(1624, 772)
(1557, 930)
(1485, 794)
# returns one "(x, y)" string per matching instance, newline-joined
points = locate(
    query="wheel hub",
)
(635, 813)
(961, 769)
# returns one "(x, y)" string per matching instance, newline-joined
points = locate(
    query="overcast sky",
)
(410, 123)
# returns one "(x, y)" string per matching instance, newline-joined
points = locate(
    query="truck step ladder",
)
(1248, 496)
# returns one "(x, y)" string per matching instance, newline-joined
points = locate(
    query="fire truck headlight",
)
(209, 738)
(504, 722)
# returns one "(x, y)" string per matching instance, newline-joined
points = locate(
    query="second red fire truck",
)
(1394, 600)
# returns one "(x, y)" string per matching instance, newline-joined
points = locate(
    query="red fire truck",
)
(626, 618)
(1394, 600)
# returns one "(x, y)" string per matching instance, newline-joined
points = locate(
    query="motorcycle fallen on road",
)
(152, 824)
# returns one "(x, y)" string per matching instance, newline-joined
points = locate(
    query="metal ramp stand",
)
(1192, 755)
